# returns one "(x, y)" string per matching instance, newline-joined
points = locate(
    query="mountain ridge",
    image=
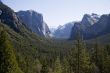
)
(9, 17)
(63, 32)
(34, 21)
(96, 29)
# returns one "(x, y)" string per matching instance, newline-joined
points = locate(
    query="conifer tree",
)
(37, 66)
(58, 67)
(100, 57)
(93, 68)
(104, 61)
(8, 63)
(107, 65)
(65, 66)
(81, 56)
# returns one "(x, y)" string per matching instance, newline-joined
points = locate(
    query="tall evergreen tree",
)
(104, 64)
(8, 63)
(65, 66)
(96, 54)
(37, 66)
(81, 58)
(58, 67)
(107, 65)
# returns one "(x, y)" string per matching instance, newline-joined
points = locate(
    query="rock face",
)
(89, 20)
(8, 16)
(97, 26)
(82, 26)
(34, 21)
(63, 32)
(0, 1)
(69, 30)
(102, 27)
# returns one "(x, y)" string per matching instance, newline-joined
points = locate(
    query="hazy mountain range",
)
(63, 31)
(89, 27)
(68, 30)
(92, 29)
(25, 48)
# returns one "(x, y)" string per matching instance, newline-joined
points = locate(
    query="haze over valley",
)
(59, 36)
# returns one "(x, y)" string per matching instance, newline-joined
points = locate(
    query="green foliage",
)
(38, 55)
(37, 66)
(100, 56)
(8, 63)
(79, 58)
(94, 68)
(107, 65)
(58, 66)
(65, 66)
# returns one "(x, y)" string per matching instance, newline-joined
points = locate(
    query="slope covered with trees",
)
(8, 62)
(49, 56)
(26, 52)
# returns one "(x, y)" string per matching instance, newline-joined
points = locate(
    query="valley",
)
(26, 44)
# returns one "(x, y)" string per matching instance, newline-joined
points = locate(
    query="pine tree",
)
(66, 66)
(81, 56)
(83, 59)
(105, 57)
(100, 57)
(8, 63)
(58, 67)
(37, 66)
(107, 65)
(72, 60)
(93, 68)
(96, 55)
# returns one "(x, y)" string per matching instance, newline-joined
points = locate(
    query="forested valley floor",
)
(21, 53)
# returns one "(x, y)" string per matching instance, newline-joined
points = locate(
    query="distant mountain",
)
(34, 21)
(24, 43)
(102, 27)
(69, 30)
(99, 27)
(52, 30)
(63, 32)
(29, 20)
(89, 20)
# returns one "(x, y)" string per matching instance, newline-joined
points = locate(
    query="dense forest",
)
(80, 58)
(22, 51)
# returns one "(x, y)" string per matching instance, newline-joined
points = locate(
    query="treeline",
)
(79, 59)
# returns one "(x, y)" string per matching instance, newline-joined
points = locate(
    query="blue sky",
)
(59, 12)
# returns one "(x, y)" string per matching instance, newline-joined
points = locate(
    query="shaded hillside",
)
(36, 54)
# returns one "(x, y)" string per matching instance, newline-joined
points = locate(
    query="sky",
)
(60, 12)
